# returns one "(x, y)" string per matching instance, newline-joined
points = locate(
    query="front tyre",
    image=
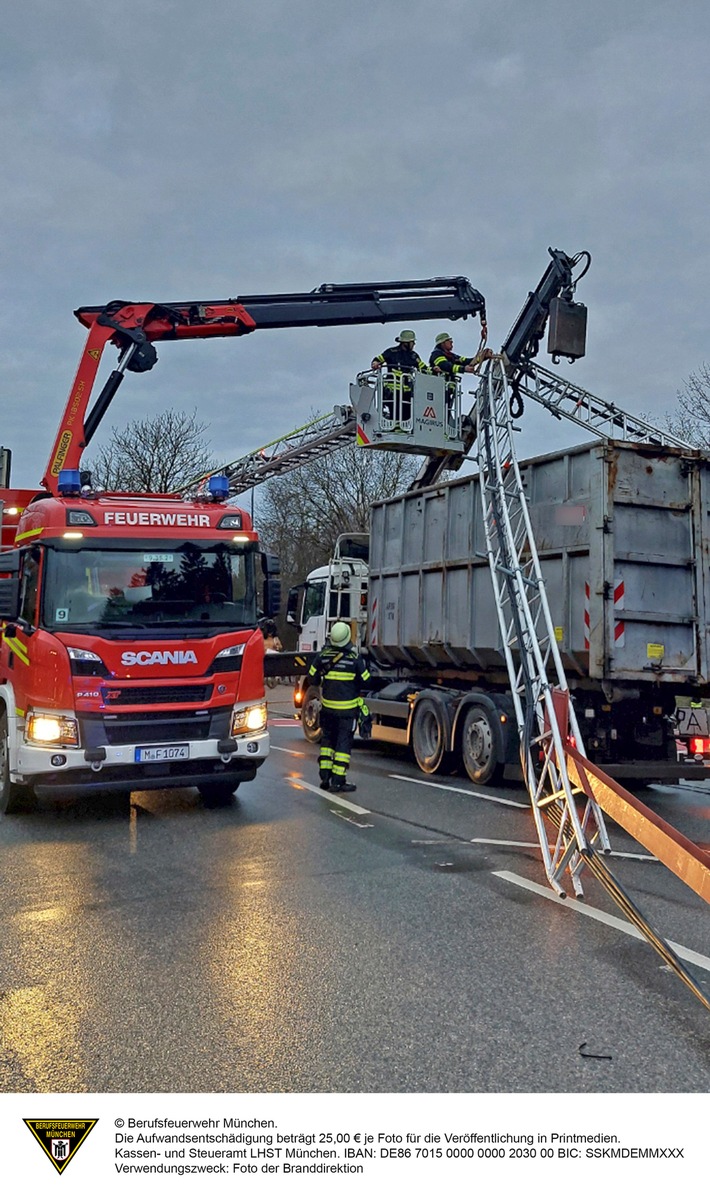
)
(310, 714)
(217, 794)
(13, 798)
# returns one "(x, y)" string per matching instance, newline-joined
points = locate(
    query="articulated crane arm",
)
(134, 328)
(552, 301)
(553, 298)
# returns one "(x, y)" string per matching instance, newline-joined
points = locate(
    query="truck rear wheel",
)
(13, 798)
(430, 736)
(481, 746)
(310, 714)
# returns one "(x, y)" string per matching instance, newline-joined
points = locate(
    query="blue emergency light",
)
(69, 482)
(218, 488)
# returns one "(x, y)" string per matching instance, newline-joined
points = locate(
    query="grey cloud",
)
(173, 151)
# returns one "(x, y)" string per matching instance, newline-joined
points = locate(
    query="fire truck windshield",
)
(200, 585)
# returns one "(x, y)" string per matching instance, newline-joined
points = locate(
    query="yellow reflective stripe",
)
(19, 650)
(340, 676)
(339, 705)
(28, 534)
(20, 713)
(365, 675)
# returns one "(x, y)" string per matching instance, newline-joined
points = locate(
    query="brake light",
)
(700, 746)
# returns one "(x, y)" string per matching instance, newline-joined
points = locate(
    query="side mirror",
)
(292, 606)
(271, 565)
(271, 568)
(272, 597)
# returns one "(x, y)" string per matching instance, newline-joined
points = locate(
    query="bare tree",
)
(300, 515)
(156, 454)
(691, 420)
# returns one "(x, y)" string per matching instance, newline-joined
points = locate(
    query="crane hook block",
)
(567, 331)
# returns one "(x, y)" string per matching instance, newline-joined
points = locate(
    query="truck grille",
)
(176, 727)
(166, 694)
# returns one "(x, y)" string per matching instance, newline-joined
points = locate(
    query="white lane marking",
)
(619, 855)
(361, 826)
(430, 784)
(284, 722)
(287, 750)
(338, 801)
(609, 920)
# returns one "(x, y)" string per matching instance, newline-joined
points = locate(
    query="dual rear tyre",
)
(479, 741)
(481, 746)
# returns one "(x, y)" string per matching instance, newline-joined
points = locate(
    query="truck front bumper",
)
(209, 761)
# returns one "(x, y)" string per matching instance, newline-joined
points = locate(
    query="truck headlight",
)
(86, 663)
(249, 718)
(52, 729)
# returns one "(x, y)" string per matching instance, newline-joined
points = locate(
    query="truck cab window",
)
(314, 600)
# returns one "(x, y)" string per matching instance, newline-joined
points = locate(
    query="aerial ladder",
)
(135, 327)
(323, 434)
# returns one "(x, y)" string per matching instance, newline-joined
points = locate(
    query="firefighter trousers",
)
(337, 727)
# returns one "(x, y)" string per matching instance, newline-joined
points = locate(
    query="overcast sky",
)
(171, 150)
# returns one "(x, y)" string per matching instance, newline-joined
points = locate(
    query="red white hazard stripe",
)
(619, 624)
(373, 623)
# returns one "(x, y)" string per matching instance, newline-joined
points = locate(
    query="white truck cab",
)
(335, 592)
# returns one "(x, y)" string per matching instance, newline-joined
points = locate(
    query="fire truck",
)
(131, 655)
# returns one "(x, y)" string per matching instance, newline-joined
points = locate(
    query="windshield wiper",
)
(109, 622)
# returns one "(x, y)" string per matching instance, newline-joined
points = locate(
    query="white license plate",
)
(156, 755)
(692, 721)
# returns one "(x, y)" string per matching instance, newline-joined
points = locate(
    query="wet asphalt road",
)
(289, 944)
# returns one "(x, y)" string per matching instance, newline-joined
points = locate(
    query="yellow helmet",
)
(340, 634)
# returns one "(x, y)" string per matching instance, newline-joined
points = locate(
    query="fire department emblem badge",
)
(60, 1139)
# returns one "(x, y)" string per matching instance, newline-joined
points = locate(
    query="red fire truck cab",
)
(131, 655)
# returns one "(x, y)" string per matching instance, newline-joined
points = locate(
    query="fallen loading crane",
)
(560, 788)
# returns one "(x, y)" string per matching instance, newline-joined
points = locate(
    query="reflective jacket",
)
(341, 672)
(448, 363)
(401, 358)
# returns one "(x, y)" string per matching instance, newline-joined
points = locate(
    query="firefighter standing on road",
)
(340, 671)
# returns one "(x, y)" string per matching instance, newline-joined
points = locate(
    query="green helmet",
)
(340, 634)
(406, 336)
(442, 338)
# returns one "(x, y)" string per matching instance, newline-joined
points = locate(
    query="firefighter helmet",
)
(340, 634)
(406, 336)
(442, 338)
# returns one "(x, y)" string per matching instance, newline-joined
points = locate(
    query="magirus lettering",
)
(129, 658)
